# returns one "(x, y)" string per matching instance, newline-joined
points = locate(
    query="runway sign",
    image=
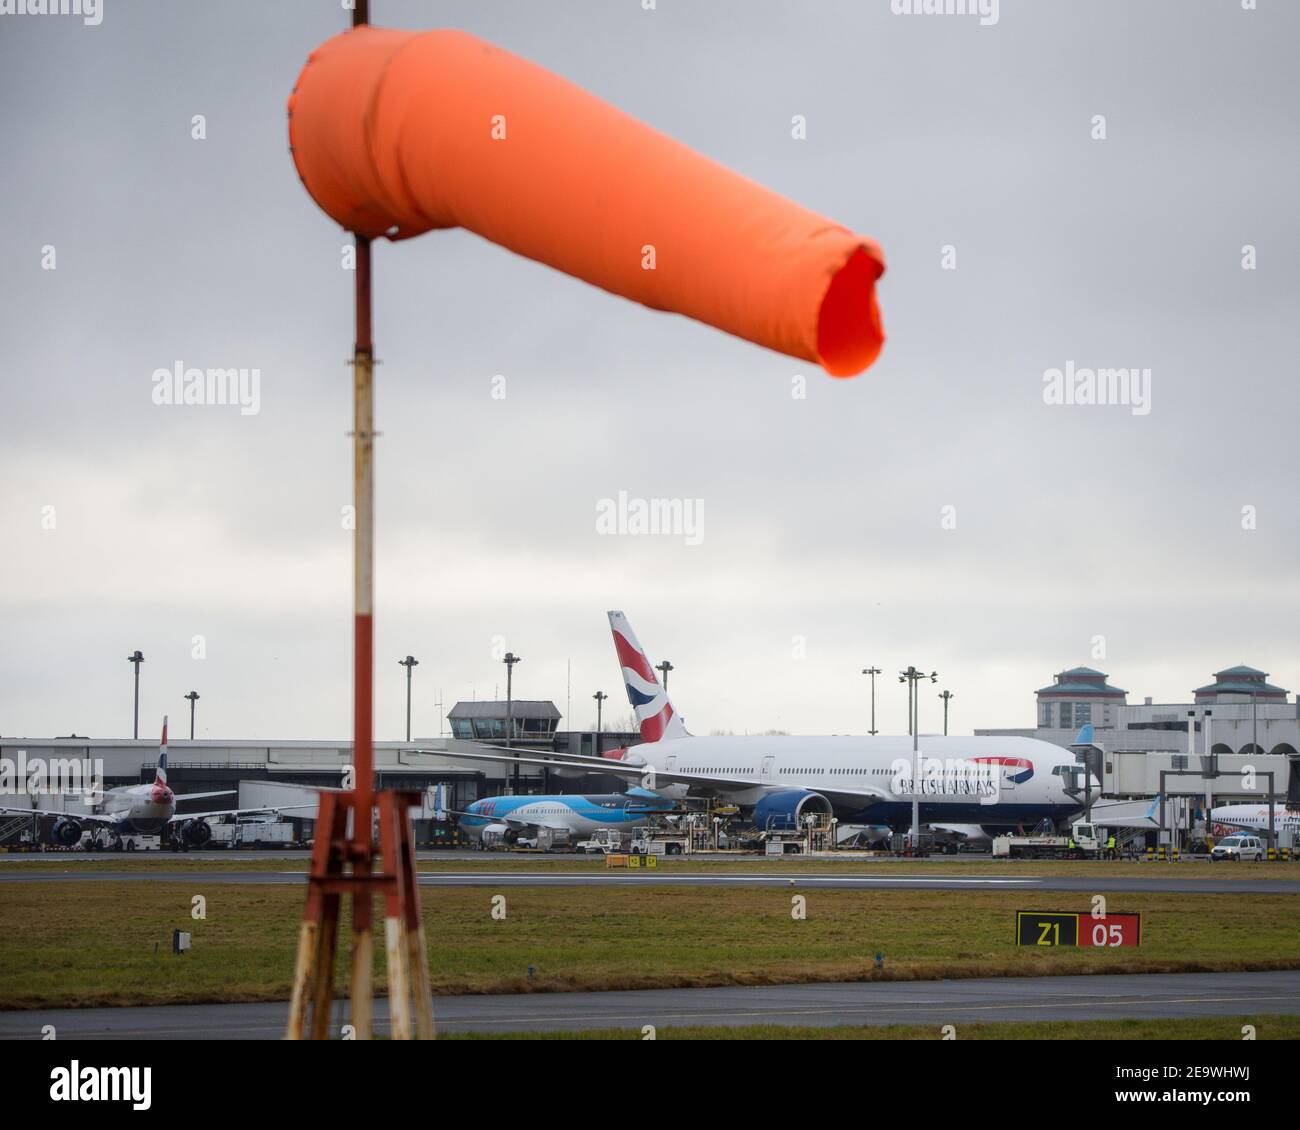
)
(1056, 928)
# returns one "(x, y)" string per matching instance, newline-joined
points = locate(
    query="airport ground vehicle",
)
(602, 842)
(553, 839)
(659, 841)
(102, 839)
(1084, 840)
(928, 842)
(252, 833)
(1237, 848)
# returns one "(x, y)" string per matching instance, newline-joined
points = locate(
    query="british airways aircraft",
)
(580, 815)
(144, 809)
(779, 781)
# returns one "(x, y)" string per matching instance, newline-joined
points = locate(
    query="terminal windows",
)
(1066, 723)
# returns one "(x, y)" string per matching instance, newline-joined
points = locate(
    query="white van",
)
(1238, 848)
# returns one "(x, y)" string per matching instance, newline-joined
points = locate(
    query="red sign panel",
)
(1110, 931)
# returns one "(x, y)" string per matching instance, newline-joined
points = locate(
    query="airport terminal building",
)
(1240, 711)
(281, 773)
(1240, 714)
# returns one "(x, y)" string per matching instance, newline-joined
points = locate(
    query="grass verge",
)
(718, 865)
(78, 944)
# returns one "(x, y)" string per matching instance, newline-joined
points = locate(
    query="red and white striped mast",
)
(363, 602)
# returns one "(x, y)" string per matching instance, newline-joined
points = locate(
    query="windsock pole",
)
(363, 576)
(338, 842)
(363, 540)
(363, 767)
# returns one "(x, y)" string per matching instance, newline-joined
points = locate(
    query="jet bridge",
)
(1176, 785)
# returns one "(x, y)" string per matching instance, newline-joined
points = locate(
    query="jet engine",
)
(67, 832)
(784, 810)
(194, 833)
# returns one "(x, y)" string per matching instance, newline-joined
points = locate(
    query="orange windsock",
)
(399, 132)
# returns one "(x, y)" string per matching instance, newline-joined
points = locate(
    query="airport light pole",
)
(1256, 752)
(873, 672)
(663, 668)
(912, 676)
(600, 697)
(947, 697)
(1211, 759)
(136, 659)
(510, 660)
(910, 688)
(193, 696)
(409, 663)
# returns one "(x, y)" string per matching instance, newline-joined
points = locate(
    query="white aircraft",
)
(780, 781)
(1254, 817)
(144, 810)
(511, 817)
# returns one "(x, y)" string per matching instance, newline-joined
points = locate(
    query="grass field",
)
(1206, 1028)
(720, 865)
(101, 943)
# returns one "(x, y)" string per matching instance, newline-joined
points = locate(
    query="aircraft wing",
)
(80, 817)
(203, 796)
(650, 778)
(526, 825)
(267, 810)
(585, 760)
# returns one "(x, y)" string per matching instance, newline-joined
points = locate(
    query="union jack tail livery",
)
(649, 700)
(160, 778)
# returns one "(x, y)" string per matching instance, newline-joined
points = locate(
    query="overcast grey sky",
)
(823, 518)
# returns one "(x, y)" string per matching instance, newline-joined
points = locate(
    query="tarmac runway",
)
(937, 1003)
(1159, 880)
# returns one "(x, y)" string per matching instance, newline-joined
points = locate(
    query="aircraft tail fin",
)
(160, 777)
(650, 702)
